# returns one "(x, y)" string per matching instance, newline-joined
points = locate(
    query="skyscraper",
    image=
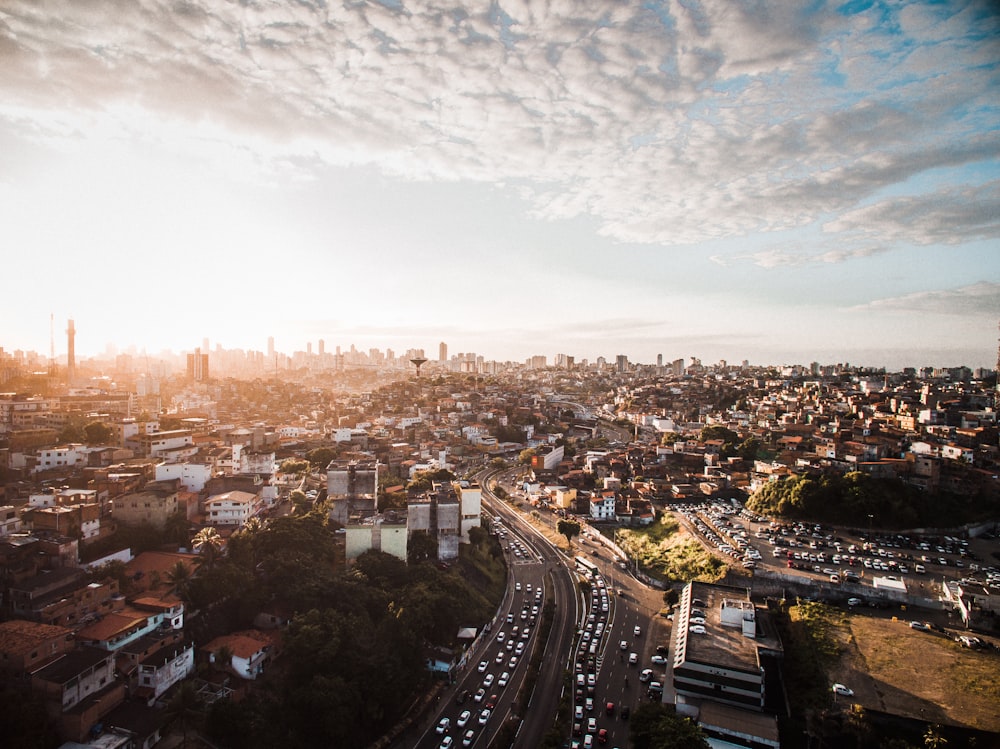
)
(197, 366)
(70, 351)
(442, 352)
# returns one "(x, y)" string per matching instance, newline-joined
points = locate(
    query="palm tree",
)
(179, 576)
(184, 707)
(933, 738)
(208, 543)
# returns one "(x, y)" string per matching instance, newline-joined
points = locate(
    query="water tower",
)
(418, 362)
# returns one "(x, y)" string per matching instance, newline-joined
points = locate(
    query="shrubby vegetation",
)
(669, 556)
(354, 654)
(850, 498)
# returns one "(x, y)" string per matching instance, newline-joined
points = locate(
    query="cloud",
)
(668, 123)
(947, 216)
(978, 300)
(785, 258)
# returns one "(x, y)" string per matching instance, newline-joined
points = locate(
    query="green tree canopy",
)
(568, 528)
(656, 726)
(97, 433)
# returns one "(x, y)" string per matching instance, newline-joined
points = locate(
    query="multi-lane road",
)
(590, 623)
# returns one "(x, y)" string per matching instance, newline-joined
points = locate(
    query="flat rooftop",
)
(721, 645)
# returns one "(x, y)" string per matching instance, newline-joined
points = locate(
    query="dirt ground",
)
(923, 675)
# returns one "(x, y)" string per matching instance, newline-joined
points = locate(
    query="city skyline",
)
(781, 184)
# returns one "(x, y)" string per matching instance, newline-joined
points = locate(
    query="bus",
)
(586, 566)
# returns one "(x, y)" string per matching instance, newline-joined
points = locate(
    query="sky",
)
(779, 182)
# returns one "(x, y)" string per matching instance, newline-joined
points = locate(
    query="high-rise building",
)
(270, 347)
(322, 347)
(70, 350)
(621, 363)
(442, 352)
(197, 366)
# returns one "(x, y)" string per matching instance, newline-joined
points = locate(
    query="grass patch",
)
(664, 552)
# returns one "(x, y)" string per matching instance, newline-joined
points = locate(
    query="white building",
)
(62, 456)
(192, 476)
(231, 508)
(164, 668)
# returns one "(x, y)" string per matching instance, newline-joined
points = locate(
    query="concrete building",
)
(232, 509)
(152, 507)
(720, 650)
(438, 512)
(386, 532)
(352, 488)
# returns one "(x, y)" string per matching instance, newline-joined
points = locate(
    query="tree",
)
(933, 738)
(184, 708)
(421, 547)
(525, 456)
(568, 528)
(178, 576)
(97, 433)
(320, 457)
(655, 726)
(208, 543)
(294, 466)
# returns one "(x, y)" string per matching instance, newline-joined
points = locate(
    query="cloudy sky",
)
(774, 181)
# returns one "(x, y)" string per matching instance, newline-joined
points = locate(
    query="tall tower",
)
(70, 351)
(442, 352)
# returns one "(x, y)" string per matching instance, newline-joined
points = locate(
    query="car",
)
(577, 729)
(462, 697)
(697, 620)
(854, 601)
(633, 658)
(655, 687)
(501, 635)
(697, 629)
(637, 631)
(447, 742)
(591, 680)
(469, 738)
(663, 649)
(646, 674)
(609, 708)
(504, 678)
(517, 586)
(492, 701)
(512, 663)
(623, 645)
(520, 648)
(443, 726)
(483, 665)
(590, 704)
(488, 681)
(659, 660)
(578, 712)
(588, 741)
(510, 618)
(922, 626)
(592, 725)
(480, 694)
(602, 736)
(484, 716)
(842, 690)
(463, 718)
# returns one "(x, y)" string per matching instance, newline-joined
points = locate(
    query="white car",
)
(483, 665)
(484, 716)
(623, 645)
(697, 629)
(633, 658)
(842, 690)
(659, 660)
(443, 725)
(637, 631)
(504, 678)
(488, 681)
(463, 718)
